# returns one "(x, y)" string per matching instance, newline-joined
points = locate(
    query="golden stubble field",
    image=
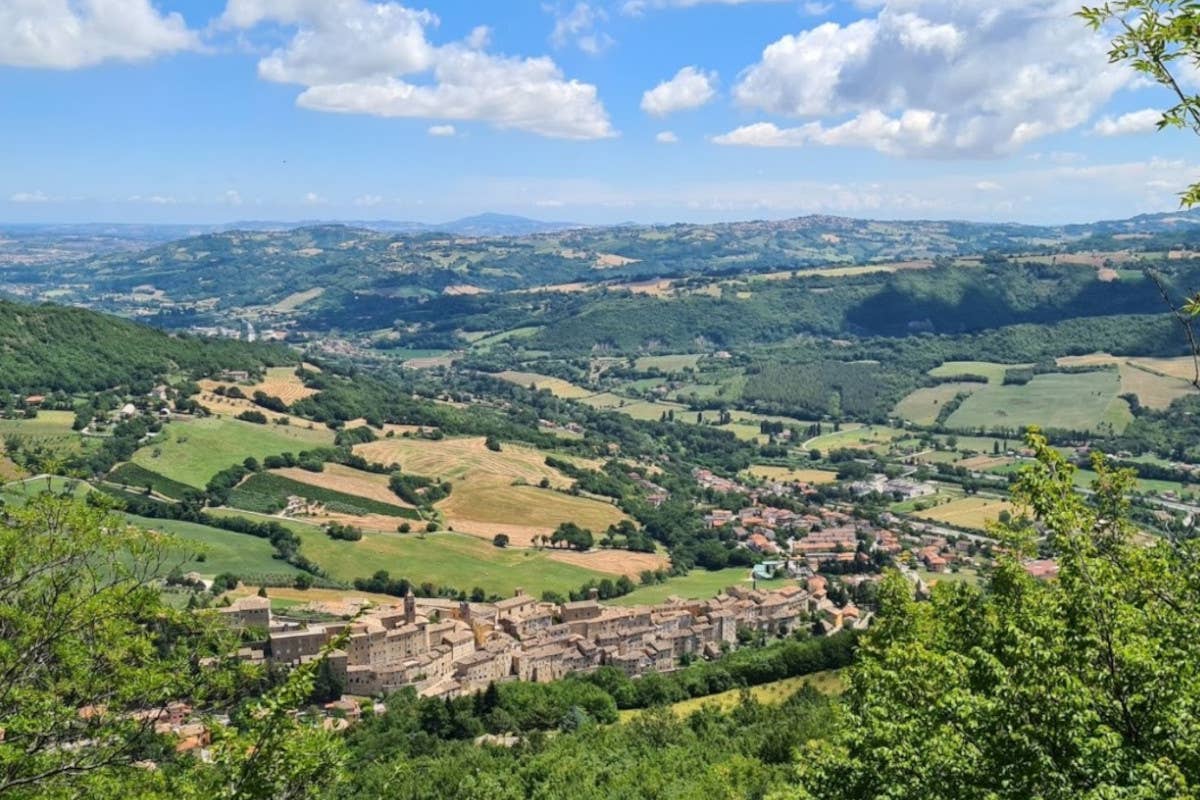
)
(496, 492)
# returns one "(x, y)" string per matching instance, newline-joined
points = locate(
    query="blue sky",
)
(596, 111)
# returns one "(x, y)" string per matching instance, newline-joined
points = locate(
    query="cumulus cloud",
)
(1143, 121)
(442, 130)
(360, 57)
(921, 78)
(636, 7)
(368, 200)
(666, 137)
(690, 88)
(815, 9)
(579, 24)
(232, 197)
(66, 34)
(29, 197)
(313, 199)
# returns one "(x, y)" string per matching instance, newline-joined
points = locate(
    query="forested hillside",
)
(359, 272)
(53, 348)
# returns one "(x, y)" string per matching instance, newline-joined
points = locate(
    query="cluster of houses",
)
(445, 648)
(902, 488)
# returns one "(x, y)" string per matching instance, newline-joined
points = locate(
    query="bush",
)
(257, 417)
(500, 540)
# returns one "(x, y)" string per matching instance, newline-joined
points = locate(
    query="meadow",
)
(854, 435)
(668, 364)
(923, 406)
(698, 583)
(989, 369)
(224, 551)
(449, 559)
(51, 429)
(193, 451)
(1080, 401)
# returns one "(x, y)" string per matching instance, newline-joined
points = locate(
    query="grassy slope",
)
(193, 451)
(225, 551)
(443, 558)
(922, 406)
(1057, 400)
(698, 583)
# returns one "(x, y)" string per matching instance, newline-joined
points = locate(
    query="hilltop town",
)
(445, 649)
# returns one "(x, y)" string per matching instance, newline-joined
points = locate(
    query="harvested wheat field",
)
(984, 463)
(773, 473)
(378, 523)
(495, 492)
(1157, 382)
(614, 562)
(329, 601)
(341, 478)
(232, 406)
(557, 386)
(456, 458)
(281, 382)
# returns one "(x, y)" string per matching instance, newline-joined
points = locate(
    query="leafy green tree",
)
(1081, 687)
(90, 657)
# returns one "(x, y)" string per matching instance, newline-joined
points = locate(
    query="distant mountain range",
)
(115, 233)
(121, 236)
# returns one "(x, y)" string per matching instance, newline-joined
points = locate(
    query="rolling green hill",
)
(50, 348)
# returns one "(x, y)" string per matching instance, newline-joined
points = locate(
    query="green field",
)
(855, 435)
(1081, 401)
(484, 341)
(922, 406)
(191, 452)
(447, 559)
(266, 492)
(224, 551)
(49, 428)
(989, 369)
(137, 477)
(699, 583)
(667, 364)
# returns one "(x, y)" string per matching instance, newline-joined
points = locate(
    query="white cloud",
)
(313, 199)
(549, 203)
(815, 9)
(894, 135)
(666, 137)
(69, 34)
(442, 130)
(988, 186)
(360, 57)
(634, 8)
(921, 78)
(1143, 121)
(232, 197)
(1041, 194)
(690, 88)
(580, 25)
(368, 200)
(29, 197)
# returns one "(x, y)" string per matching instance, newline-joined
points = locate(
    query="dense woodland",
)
(56, 349)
